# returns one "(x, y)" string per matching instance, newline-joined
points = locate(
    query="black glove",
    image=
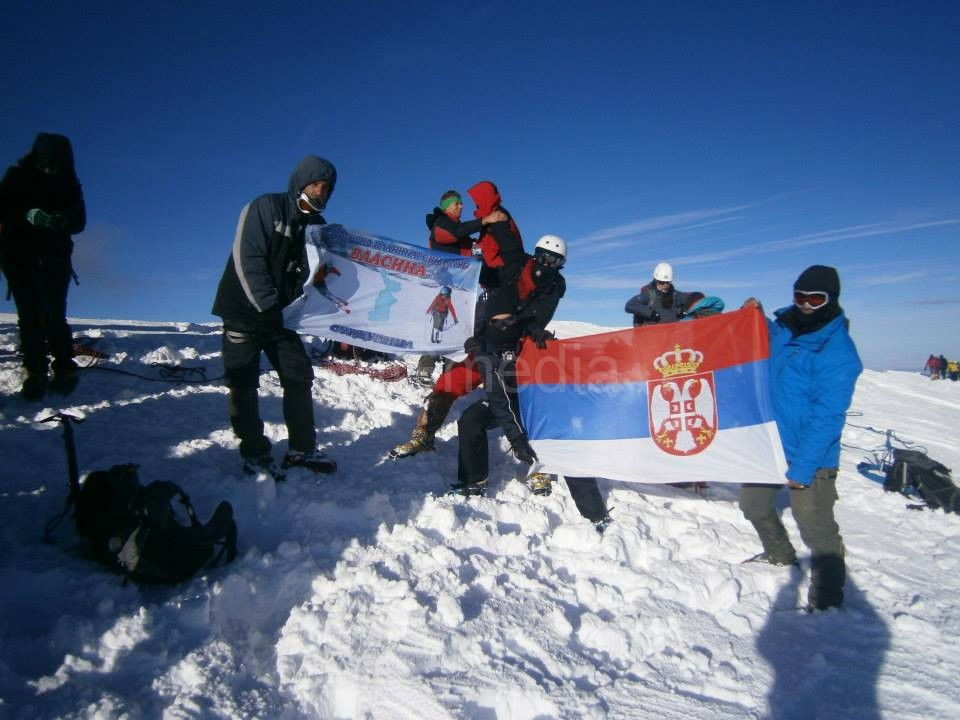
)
(654, 316)
(681, 314)
(472, 345)
(270, 321)
(540, 337)
(523, 451)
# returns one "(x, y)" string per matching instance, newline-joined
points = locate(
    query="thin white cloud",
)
(825, 236)
(891, 279)
(620, 235)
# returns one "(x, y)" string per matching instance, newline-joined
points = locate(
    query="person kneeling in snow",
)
(814, 367)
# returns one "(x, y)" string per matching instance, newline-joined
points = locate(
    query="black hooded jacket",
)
(268, 265)
(25, 187)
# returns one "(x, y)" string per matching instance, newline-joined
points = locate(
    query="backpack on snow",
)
(914, 470)
(135, 529)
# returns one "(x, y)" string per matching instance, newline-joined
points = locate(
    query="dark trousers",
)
(241, 364)
(813, 510)
(587, 497)
(499, 408)
(39, 288)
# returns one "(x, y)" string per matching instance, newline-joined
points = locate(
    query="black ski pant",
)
(586, 495)
(499, 408)
(241, 364)
(39, 288)
(813, 511)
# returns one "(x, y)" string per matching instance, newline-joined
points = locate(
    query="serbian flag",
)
(681, 402)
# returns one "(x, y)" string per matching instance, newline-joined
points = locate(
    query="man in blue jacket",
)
(814, 367)
(265, 272)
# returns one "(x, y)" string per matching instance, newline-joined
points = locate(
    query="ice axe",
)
(73, 470)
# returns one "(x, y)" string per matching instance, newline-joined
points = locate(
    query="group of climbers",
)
(938, 367)
(812, 355)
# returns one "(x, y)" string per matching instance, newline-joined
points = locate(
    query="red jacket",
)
(500, 243)
(441, 304)
(460, 379)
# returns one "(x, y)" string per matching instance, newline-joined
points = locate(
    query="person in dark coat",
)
(496, 351)
(658, 301)
(448, 233)
(265, 272)
(814, 368)
(41, 207)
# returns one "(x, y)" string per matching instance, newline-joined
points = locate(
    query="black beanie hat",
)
(822, 278)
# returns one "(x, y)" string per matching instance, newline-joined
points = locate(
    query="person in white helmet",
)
(497, 344)
(658, 301)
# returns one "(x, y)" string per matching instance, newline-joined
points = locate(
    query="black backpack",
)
(135, 529)
(913, 470)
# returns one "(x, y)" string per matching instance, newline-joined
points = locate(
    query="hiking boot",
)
(469, 489)
(263, 464)
(423, 379)
(770, 560)
(540, 483)
(34, 387)
(65, 381)
(602, 524)
(316, 461)
(419, 442)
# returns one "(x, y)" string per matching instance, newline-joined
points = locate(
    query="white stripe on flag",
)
(740, 455)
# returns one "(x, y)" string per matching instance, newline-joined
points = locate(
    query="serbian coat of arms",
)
(682, 405)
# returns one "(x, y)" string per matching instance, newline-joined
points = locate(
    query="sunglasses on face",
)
(810, 298)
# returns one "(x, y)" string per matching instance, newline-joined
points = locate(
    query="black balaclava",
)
(816, 277)
(53, 151)
(666, 296)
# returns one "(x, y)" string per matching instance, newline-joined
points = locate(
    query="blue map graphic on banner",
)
(385, 299)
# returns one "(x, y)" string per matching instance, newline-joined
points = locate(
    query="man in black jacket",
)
(265, 272)
(658, 301)
(41, 206)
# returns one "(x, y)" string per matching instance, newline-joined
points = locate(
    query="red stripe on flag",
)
(633, 355)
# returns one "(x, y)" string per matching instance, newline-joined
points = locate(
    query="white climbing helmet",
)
(663, 273)
(553, 243)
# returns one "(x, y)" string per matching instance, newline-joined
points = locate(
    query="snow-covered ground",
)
(372, 594)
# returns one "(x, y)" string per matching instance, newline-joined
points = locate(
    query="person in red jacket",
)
(501, 245)
(464, 376)
(441, 306)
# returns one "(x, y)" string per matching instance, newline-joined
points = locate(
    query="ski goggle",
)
(548, 258)
(810, 298)
(504, 322)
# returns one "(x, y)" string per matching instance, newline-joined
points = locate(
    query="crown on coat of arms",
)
(678, 362)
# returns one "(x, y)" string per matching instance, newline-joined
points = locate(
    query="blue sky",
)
(741, 142)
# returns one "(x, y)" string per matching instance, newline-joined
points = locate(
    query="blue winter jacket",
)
(812, 377)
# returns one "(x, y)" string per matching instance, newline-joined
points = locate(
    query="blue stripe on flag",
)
(618, 411)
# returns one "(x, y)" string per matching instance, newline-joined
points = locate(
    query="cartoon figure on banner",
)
(683, 405)
(439, 309)
(319, 282)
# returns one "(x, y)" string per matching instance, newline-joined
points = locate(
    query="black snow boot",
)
(828, 573)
